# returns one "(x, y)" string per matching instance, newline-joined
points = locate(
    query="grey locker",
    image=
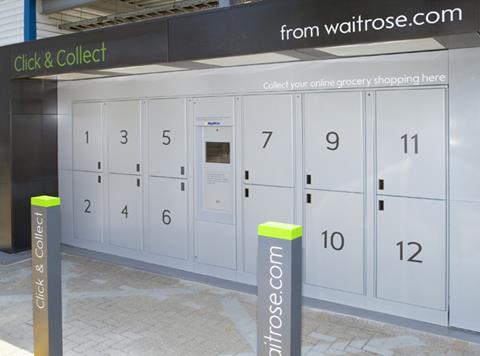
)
(88, 206)
(87, 137)
(168, 217)
(411, 251)
(126, 211)
(334, 233)
(268, 140)
(261, 204)
(124, 136)
(215, 244)
(167, 137)
(334, 143)
(411, 151)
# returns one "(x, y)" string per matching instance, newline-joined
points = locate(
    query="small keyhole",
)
(381, 184)
(247, 192)
(309, 179)
(247, 175)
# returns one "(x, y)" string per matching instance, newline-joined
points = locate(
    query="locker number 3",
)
(124, 139)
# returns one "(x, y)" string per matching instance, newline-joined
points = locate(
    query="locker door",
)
(411, 251)
(126, 224)
(261, 204)
(334, 141)
(268, 137)
(335, 240)
(168, 217)
(411, 151)
(87, 137)
(88, 206)
(124, 136)
(167, 137)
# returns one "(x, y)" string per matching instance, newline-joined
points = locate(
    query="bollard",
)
(279, 302)
(46, 276)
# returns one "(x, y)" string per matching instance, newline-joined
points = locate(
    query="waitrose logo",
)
(60, 58)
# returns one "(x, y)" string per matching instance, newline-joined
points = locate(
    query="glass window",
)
(218, 152)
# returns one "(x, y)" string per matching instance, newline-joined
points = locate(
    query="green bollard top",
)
(281, 231)
(45, 201)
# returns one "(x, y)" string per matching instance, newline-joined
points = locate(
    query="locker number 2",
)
(417, 250)
(336, 240)
(88, 204)
(124, 139)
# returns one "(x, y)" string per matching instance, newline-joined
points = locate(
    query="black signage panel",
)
(275, 25)
(134, 44)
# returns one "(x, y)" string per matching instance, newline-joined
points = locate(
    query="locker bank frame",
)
(35, 136)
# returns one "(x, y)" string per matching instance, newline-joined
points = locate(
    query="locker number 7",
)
(269, 135)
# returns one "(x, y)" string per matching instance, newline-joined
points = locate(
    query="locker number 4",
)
(125, 211)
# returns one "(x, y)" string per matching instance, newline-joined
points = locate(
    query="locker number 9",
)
(333, 140)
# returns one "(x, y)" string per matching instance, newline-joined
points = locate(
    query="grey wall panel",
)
(464, 188)
(5, 217)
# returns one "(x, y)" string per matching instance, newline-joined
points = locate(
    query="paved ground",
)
(111, 310)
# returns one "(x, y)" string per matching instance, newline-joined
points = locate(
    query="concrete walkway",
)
(112, 310)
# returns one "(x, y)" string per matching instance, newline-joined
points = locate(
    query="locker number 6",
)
(166, 218)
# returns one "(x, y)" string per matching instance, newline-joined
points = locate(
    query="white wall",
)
(11, 21)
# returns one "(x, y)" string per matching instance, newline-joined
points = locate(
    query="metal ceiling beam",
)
(52, 6)
(166, 9)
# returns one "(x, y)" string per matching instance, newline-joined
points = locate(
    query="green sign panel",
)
(61, 58)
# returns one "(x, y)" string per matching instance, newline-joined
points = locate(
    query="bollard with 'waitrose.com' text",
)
(46, 276)
(279, 302)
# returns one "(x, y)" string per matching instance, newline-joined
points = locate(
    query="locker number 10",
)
(335, 240)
